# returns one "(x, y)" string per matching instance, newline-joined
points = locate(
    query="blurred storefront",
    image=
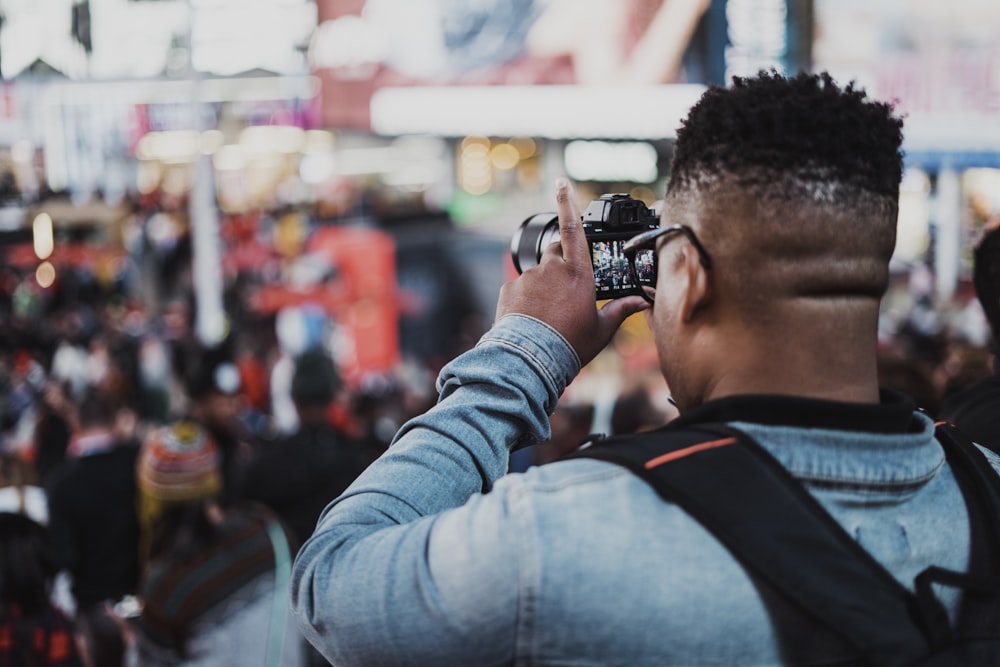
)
(439, 125)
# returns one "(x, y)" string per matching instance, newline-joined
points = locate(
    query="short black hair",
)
(806, 125)
(315, 380)
(97, 409)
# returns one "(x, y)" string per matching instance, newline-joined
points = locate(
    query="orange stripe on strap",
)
(687, 451)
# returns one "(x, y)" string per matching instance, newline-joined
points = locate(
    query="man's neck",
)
(799, 359)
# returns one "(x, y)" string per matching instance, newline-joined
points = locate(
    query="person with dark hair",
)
(911, 376)
(570, 424)
(214, 589)
(976, 408)
(777, 228)
(53, 429)
(298, 476)
(33, 632)
(643, 404)
(214, 387)
(93, 521)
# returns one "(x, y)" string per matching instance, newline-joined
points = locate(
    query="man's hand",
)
(560, 290)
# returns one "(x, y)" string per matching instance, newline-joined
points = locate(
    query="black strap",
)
(980, 484)
(768, 520)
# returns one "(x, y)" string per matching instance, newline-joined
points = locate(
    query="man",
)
(93, 521)
(214, 590)
(214, 386)
(298, 476)
(764, 316)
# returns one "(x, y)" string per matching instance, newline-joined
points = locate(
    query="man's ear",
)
(698, 292)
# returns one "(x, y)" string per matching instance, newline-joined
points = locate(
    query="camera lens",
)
(531, 238)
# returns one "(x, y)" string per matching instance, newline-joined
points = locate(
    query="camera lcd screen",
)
(612, 277)
(611, 272)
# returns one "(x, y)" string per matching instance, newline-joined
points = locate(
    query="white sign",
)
(150, 39)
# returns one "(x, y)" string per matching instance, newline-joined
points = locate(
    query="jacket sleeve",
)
(416, 564)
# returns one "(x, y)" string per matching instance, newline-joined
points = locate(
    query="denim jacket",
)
(435, 557)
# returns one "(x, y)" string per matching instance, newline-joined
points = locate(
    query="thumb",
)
(610, 317)
(616, 311)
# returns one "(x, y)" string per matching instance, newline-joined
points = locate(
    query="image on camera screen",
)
(611, 272)
(645, 266)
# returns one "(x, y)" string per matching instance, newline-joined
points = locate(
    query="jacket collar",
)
(893, 413)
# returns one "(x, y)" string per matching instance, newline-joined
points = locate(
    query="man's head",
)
(214, 384)
(315, 383)
(792, 187)
(96, 412)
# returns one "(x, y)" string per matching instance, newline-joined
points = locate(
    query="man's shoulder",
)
(299, 459)
(124, 454)
(117, 462)
(306, 447)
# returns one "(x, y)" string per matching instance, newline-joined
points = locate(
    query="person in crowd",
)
(215, 589)
(644, 404)
(22, 382)
(298, 476)
(93, 520)
(33, 631)
(911, 376)
(570, 425)
(778, 226)
(54, 427)
(382, 403)
(962, 364)
(975, 409)
(214, 386)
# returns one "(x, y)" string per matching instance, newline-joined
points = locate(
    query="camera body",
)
(608, 223)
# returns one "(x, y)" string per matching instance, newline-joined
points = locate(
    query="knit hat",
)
(179, 463)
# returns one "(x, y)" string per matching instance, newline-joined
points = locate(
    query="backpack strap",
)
(979, 614)
(769, 522)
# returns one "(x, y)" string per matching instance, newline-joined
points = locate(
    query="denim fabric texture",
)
(435, 557)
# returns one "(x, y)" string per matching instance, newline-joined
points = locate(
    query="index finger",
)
(571, 235)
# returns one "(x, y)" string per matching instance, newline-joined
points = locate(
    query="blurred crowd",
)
(138, 462)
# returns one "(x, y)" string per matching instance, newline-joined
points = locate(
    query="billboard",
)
(394, 65)
(545, 68)
(122, 39)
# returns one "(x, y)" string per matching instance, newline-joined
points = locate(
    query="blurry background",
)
(350, 172)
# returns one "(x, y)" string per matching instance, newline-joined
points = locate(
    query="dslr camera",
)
(608, 223)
